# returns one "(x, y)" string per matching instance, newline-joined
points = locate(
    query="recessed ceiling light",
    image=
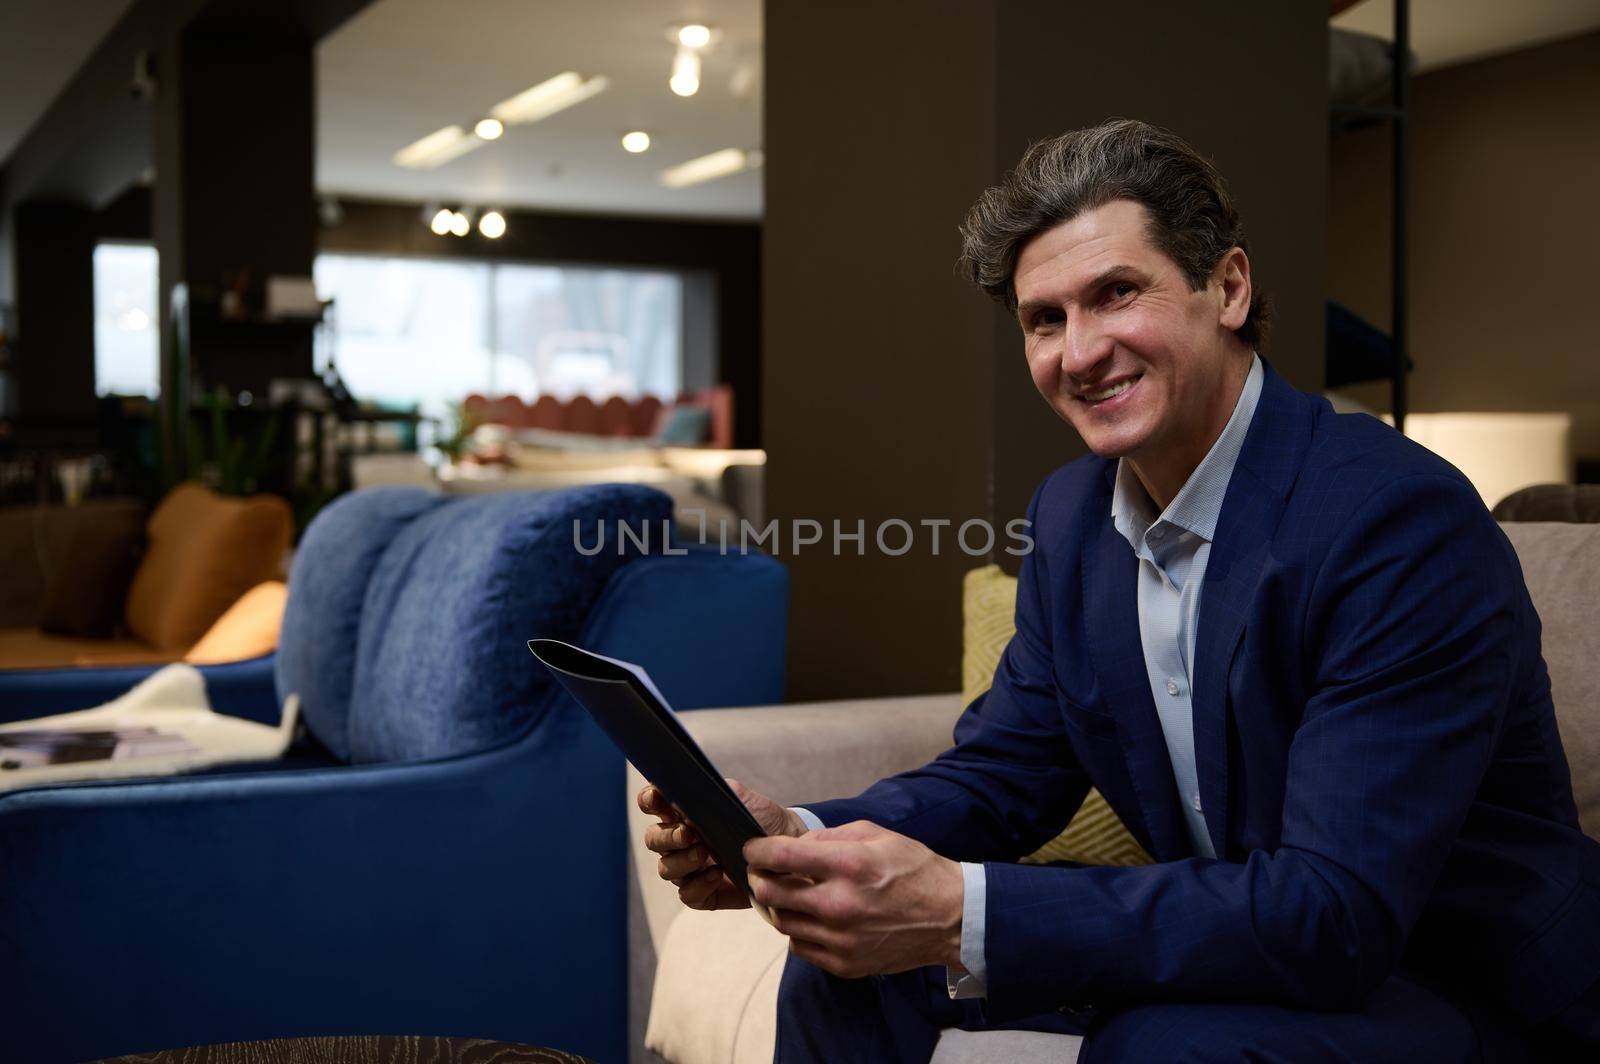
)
(442, 218)
(436, 149)
(709, 167)
(492, 225)
(489, 128)
(548, 97)
(636, 142)
(694, 35)
(460, 224)
(685, 80)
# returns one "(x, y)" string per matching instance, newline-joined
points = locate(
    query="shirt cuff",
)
(807, 817)
(973, 983)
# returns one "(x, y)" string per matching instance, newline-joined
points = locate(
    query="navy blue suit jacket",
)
(1378, 756)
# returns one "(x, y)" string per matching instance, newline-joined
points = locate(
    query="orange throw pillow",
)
(248, 630)
(203, 551)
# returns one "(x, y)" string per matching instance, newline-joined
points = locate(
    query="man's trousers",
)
(897, 1018)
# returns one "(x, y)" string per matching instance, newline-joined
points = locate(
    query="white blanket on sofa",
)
(171, 701)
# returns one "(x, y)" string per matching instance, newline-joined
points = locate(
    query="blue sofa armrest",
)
(240, 688)
(475, 896)
(710, 628)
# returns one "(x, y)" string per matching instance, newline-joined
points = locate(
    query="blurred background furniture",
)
(444, 849)
(699, 417)
(712, 977)
(1499, 452)
(96, 595)
(1551, 502)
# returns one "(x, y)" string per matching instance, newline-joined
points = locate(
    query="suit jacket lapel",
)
(1268, 463)
(1111, 622)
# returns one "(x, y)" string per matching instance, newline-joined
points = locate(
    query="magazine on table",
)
(61, 746)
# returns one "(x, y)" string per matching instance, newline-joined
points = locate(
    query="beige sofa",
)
(703, 985)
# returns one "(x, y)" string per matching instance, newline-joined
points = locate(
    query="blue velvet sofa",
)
(444, 853)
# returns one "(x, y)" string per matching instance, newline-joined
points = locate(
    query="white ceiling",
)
(403, 68)
(1446, 32)
(42, 44)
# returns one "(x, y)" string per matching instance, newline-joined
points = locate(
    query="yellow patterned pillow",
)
(988, 602)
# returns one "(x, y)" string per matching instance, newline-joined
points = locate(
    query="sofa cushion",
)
(90, 565)
(32, 542)
(1561, 565)
(322, 619)
(988, 608)
(442, 663)
(247, 630)
(716, 989)
(202, 552)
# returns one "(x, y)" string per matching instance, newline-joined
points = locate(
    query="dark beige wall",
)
(890, 389)
(876, 359)
(1504, 227)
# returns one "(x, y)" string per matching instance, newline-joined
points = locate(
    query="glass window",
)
(408, 330)
(127, 344)
(430, 331)
(600, 332)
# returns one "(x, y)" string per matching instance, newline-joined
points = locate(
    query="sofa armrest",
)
(793, 754)
(442, 895)
(798, 753)
(238, 688)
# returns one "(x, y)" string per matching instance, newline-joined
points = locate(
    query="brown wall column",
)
(55, 311)
(875, 358)
(235, 138)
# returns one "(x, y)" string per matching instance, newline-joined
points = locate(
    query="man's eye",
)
(1121, 290)
(1046, 318)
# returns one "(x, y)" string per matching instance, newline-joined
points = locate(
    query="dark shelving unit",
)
(1395, 113)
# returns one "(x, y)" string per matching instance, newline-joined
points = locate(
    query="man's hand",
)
(860, 899)
(689, 864)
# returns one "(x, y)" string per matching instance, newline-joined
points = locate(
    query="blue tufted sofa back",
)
(405, 631)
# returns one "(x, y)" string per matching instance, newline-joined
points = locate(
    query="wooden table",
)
(363, 1049)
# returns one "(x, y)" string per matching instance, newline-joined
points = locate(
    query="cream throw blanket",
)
(171, 700)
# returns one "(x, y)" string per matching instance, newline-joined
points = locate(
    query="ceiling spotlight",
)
(548, 97)
(636, 142)
(442, 220)
(685, 80)
(694, 35)
(436, 149)
(489, 128)
(492, 225)
(460, 224)
(709, 167)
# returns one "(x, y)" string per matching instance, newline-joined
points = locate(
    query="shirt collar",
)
(1198, 504)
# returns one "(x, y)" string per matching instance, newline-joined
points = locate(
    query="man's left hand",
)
(860, 899)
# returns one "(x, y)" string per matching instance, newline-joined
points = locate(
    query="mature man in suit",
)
(1292, 650)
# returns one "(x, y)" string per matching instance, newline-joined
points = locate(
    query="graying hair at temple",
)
(1192, 218)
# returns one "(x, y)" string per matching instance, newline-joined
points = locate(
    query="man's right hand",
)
(688, 863)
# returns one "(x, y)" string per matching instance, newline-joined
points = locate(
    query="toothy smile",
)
(1110, 391)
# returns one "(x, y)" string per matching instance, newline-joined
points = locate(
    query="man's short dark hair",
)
(1192, 220)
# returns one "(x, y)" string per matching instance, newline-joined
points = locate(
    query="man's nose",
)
(1084, 347)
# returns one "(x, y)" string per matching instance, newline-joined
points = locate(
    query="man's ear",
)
(1232, 275)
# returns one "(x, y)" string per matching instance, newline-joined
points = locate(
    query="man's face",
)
(1120, 345)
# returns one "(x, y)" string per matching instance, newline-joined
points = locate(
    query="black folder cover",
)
(622, 700)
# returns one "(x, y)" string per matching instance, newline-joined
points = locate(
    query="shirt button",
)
(1172, 686)
(1195, 801)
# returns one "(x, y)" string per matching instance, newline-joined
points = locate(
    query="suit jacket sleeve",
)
(1411, 652)
(1012, 780)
